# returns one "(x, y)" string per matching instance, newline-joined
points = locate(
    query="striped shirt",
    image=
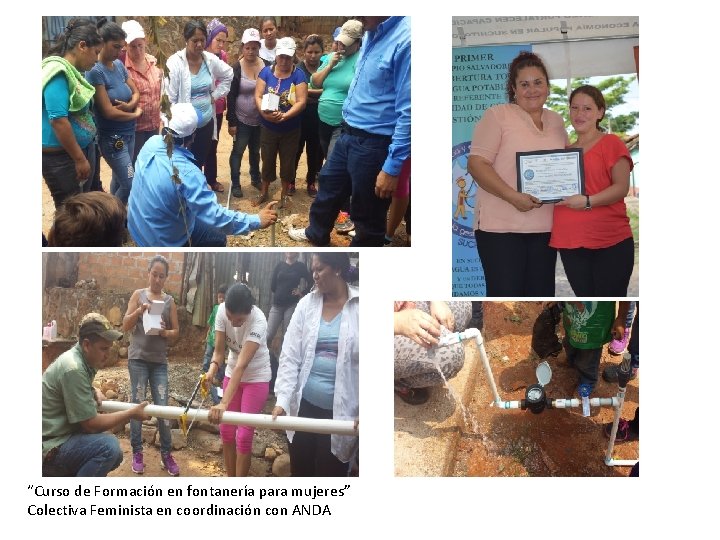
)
(148, 84)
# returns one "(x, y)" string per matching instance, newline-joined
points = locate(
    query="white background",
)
(679, 274)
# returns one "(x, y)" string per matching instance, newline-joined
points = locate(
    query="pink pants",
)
(248, 398)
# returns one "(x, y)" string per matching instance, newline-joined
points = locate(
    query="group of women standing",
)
(317, 376)
(115, 104)
(517, 235)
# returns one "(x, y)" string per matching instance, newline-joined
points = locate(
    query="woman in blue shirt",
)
(280, 117)
(116, 99)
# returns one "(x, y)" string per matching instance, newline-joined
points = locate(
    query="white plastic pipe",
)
(292, 423)
(621, 462)
(506, 404)
(566, 403)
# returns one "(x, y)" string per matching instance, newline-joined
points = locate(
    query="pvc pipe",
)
(567, 403)
(616, 421)
(506, 404)
(292, 423)
(486, 364)
(621, 462)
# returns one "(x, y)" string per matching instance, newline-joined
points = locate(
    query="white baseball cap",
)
(285, 46)
(134, 31)
(184, 119)
(251, 34)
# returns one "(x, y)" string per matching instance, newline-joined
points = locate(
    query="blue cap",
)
(584, 390)
(336, 33)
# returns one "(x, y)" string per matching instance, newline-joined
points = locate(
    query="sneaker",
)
(291, 189)
(618, 346)
(624, 432)
(138, 467)
(413, 396)
(312, 190)
(298, 235)
(168, 462)
(343, 223)
(237, 192)
(610, 373)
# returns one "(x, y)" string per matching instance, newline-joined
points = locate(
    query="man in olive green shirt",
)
(73, 442)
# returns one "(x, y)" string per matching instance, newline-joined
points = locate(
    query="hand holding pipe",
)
(291, 423)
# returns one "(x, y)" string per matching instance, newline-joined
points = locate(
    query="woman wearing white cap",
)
(243, 116)
(143, 69)
(280, 96)
(200, 78)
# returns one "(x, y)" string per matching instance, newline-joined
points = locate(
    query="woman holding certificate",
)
(512, 229)
(592, 231)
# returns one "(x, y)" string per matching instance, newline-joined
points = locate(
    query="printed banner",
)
(479, 79)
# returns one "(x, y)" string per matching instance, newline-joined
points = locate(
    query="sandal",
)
(413, 396)
(217, 186)
(259, 199)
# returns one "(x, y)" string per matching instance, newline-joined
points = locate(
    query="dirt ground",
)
(295, 213)
(201, 456)
(557, 442)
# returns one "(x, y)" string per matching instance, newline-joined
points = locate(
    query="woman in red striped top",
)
(143, 69)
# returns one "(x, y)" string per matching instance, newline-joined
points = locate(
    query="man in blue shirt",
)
(375, 142)
(171, 203)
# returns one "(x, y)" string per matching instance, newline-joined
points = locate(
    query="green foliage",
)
(614, 89)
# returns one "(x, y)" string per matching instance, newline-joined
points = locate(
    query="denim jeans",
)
(351, 170)
(210, 168)
(278, 315)
(586, 361)
(86, 454)
(206, 236)
(328, 135)
(245, 137)
(155, 375)
(58, 171)
(310, 142)
(120, 161)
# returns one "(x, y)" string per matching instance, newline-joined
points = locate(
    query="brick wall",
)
(127, 271)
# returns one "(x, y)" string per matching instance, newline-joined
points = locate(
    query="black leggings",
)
(600, 272)
(517, 264)
(310, 453)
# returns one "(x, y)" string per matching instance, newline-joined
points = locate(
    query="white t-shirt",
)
(254, 329)
(265, 53)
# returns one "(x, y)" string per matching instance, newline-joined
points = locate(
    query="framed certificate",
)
(551, 175)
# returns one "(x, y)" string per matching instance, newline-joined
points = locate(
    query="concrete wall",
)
(127, 271)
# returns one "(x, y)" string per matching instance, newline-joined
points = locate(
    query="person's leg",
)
(334, 137)
(141, 137)
(366, 156)
(503, 259)
(254, 396)
(201, 144)
(139, 375)
(269, 147)
(205, 236)
(287, 316)
(587, 362)
(159, 390)
(335, 187)
(612, 268)
(254, 155)
(117, 150)
(275, 318)
(240, 143)
(578, 269)
(325, 462)
(314, 153)
(540, 270)
(89, 454)
(58, 171)
(228, 431)
(287, 148)
(210, 169)
(634, 344)
(325, 132)
(462, 313)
